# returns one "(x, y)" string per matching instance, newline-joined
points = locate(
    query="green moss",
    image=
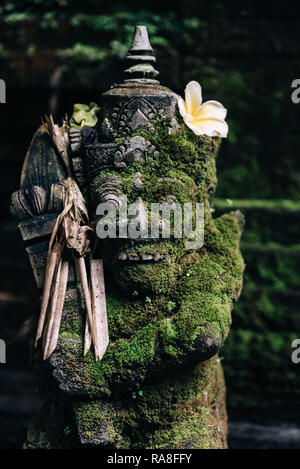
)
(96, 420)
(199, 310)
(180, 316)
(174, 413)
(72, 324)
(149, 334)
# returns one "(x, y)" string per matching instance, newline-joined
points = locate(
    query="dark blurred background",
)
(245, 54)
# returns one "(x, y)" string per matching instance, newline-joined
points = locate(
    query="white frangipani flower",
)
(203, 119)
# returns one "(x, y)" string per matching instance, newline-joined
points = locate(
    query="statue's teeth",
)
(147, 257)
(158, 257)
(132, 257)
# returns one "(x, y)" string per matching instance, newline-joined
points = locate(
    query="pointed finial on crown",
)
(140, 55)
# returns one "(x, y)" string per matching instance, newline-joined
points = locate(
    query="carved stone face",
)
(152, 169)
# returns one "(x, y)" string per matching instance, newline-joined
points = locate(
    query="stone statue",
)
(160, 382)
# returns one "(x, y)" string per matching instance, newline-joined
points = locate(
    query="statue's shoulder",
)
(42, 165)
(42, 174)
(44, 170)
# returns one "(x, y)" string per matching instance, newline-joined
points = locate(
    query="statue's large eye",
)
(211, 189)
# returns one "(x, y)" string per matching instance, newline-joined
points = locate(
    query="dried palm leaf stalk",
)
(70, 231)
(60, 138)
(99, 306)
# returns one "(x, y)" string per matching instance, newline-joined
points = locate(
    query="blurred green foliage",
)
(257, 354)
(269, 223)
(242, 53)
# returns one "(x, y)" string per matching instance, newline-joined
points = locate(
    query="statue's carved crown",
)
(140, 56)
(135, 103)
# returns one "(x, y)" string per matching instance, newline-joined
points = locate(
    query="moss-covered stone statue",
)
(160, 382)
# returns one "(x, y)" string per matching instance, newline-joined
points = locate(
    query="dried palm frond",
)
(70, 231)
(54, 323)
(60, 138)
(99, 306)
